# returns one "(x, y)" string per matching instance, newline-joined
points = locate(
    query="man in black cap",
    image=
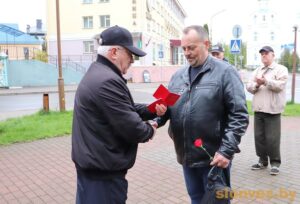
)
(267, 85)
(107, 124)
(218, 52)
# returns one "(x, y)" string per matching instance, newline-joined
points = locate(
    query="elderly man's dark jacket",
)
(107, 125)
(212, 107)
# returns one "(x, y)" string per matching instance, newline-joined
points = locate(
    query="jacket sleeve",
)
(113, 98)
(251, 85)
(143, 112)
(278, 83)
(237, 114)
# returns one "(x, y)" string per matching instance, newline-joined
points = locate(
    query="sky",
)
(222, 15)
(23, 12)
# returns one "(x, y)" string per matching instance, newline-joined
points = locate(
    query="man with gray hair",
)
(268, 86)
(107, 124)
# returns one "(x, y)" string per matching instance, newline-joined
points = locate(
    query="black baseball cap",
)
(266, 49)
(217, 48)
(117, 35)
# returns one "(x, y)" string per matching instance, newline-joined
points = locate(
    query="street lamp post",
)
(211, 22)
(61, 91)
(294, 65)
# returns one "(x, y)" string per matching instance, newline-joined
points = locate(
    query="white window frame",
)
(87, 1)
(88, 46)
(105, 19)
(87, 22)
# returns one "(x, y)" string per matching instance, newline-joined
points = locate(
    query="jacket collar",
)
(271, 66)
(103, 60)
(208, 64)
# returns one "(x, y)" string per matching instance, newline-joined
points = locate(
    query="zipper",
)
(184, 121)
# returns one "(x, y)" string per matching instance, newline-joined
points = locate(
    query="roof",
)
(10, 34)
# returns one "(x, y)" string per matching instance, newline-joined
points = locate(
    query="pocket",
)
(208, 85)
(207, 92)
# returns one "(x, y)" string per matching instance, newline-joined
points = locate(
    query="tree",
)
(286, 59)
(231, 57)
(205, 26)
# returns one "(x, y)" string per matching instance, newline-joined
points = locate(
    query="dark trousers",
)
(267, 131)
(100, 191)
(196, 181)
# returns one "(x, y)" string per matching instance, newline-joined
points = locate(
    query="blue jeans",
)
(196, 181)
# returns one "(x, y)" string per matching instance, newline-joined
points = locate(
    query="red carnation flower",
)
(198, 143)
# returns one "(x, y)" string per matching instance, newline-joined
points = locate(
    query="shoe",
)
(258, 166)
(274, 170)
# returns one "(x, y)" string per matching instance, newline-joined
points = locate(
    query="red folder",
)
(163, 96)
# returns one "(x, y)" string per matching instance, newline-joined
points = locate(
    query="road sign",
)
(237, 31)
(160, 54)
(235, 46)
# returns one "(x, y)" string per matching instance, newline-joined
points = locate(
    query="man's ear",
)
(113, 53)
(206, 43)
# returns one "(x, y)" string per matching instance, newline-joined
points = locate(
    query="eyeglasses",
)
(128, 53)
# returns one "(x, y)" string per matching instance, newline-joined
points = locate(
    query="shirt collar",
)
(271, 66)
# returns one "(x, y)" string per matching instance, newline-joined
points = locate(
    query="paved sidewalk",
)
(42, 172)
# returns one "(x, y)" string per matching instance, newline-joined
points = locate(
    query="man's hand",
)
(220, 161)
(260, 80)
(160, 109)
(154, 126)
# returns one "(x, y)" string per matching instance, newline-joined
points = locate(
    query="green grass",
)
(44, 125)
(291, 109)
(37, 126)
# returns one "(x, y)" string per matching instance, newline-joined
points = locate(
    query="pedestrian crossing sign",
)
(235, 46)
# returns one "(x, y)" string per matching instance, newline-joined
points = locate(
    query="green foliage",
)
(231, 57)
(37, 126)
(41, 56)
(205, 26)
(286, 59)
(51, 124)
(291, 109)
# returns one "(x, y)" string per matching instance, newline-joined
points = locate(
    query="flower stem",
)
(210, 157)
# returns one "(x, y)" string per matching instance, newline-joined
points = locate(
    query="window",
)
(103, 1)
(88, 46)
(87, 1)
(87, 22)
(255, 36)
(272, 36)
(104, 21)
(153, 52)
(254, 18)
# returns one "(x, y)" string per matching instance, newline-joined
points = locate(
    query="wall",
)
(37, 73)
(157, 73)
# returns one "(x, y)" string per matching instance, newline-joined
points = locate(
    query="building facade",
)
(16, 44)
(156, 27)
(263, 30)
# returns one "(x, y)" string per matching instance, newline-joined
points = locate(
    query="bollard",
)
(46, 102)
